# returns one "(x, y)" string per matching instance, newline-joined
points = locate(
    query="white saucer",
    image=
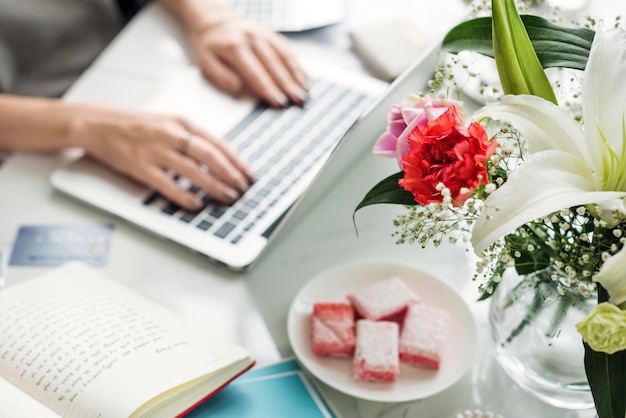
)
(413, 383)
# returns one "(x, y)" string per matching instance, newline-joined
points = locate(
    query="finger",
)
(223, 149)
(280, 71)
(205, 152)
(219, 74)
(160, 181)
(229, 154)
(211, 185)
(256, 76)
(227, 179)
(288, 58)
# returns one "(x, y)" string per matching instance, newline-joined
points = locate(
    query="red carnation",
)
(445, 151)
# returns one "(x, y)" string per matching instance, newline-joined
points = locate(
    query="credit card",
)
(53, 245)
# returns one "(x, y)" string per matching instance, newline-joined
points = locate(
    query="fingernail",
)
(250, 174)
(241, 187)
(281, 99)
(231, 194)
(196, 203)
(301, 95)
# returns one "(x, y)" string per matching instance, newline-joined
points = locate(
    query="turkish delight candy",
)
(423, 335)
(332, 329)
(383, 300)
(376, 353)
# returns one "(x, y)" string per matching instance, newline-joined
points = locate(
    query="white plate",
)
(413, 382)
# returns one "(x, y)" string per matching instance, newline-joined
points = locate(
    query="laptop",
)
(296, 153)
(292, 15)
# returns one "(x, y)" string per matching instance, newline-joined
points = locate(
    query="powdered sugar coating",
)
(384, 299)
(376, 354)
(332, 329)
(423, 335)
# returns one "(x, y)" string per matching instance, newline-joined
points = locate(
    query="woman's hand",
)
(239, 56)
(147, 146)
(143, 146)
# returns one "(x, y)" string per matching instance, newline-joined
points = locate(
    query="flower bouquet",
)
(528, 182)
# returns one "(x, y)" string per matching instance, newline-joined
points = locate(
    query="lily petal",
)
(545, 183)
(614, 205)
(604, 106)
(611, 277)
(543, 124)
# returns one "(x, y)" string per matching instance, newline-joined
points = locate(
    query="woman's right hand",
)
(147, 146)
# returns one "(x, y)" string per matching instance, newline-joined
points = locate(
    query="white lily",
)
(566, 166)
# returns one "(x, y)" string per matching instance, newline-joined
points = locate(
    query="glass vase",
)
(536, 341)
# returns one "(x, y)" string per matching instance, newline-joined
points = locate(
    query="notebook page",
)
(77, 340)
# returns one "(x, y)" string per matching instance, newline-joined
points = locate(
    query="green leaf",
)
(387, 191)
(556, 46)
(606, 374)
(536, 237)
(518, 66)
(471, 35)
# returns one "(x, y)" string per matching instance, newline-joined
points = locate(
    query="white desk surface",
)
(251, 308)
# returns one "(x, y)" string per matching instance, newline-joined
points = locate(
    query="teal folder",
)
(274, 391)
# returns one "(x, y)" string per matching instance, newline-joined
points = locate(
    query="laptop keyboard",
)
(281, 145)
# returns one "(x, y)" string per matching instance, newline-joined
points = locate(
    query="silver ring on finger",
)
(184, 142)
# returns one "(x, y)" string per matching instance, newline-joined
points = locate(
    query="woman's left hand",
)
(239, 56)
